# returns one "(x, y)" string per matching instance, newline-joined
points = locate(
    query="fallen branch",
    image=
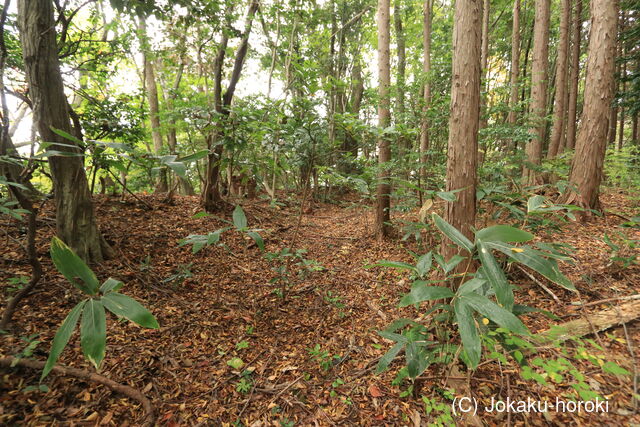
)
(596, 322)
(9, 361)
(539, 283)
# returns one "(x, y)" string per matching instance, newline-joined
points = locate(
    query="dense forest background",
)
(297, 193)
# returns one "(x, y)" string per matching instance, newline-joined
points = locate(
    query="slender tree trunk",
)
(383, 199)
(426, 68)
(154, 104)
(572, 108)
(559, 108)
(75, 219)
(484, 61)
(539, 81)
(463, 121)
(400, 80)
(211, 198)
(586, 170)
(512, 118)
(615, 108)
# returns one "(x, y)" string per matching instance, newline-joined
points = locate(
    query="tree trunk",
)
(75, 219)
(512, 118)
(572, 108)
(383, 199)
(634, 130)
(484, 61)
(211, 198)
(401, 77)
(426, 68)
(559, 108)
(539, 80)
(154, 105)
(586, 170)
(463, 122)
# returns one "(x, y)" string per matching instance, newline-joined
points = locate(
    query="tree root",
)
(130, 392)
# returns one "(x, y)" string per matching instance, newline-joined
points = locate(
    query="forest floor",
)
(310, 348)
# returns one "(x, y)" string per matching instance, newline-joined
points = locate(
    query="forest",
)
(319, 212)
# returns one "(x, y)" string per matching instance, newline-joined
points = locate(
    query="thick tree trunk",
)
(75, 219)
(559, 108)
(154, 105)
(586, 170)
(539, 82)
(572, 108)
(512, 118)
(463, 122)
(426, 68)
(383, 199)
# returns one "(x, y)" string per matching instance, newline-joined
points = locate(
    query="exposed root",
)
(130, 392)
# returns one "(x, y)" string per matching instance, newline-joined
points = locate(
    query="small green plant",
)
(17, 283)
(93, 332)
(323, 357)
(439, 412)
(242, 345)
(183, 272)
(239, 224)
(470, 308)
(245, 384)
(623, 250)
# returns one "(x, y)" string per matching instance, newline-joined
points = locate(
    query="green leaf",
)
(420, 293)
(124, 306)
(256, 238)
(66, 135)
(93, 332)
(503, 233)
(395, 264)
(448, 196)
(178, 168)
(495, 276)
(236, 363)
(73, 268)
(111, 285)
(470, 286)
(534, 260)
(193, 157)
(468, 332)
(62, 338)
(388, 357)
(612, 368)
(239, 218)
(424, 264)
(496, 313)
(450, 231)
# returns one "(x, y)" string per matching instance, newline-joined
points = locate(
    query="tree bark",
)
(75, 219)
(484, 61)
(154, 105)
(586, 170)
(559, 108)
(426, 68)
(211, 198)
(463, 121)
(572, 108)
(539, 81)
(383, 199)
(401, 77)
(512, 118)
